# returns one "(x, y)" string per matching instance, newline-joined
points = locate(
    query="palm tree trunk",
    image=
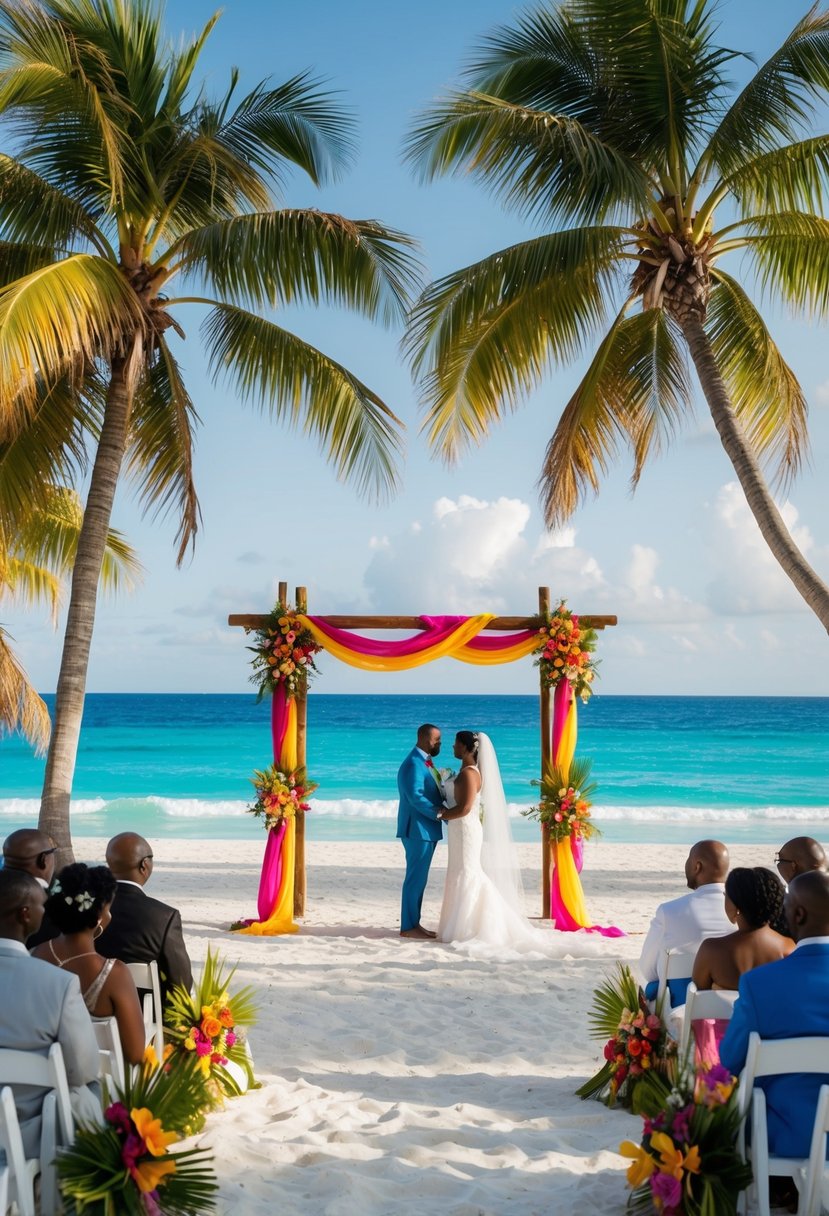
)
(80, 619)
(761, 504)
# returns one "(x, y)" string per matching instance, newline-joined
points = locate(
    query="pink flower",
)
(558, 816)
(203, 1047)
(230, 1038)
(666, 1189)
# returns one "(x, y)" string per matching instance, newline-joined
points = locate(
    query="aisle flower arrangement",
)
(279, 795)
(283, 653)
(565, 652)
(209, 1026)
(640, 1055)
(565, 803)
(687, 1163)
(127, 1167)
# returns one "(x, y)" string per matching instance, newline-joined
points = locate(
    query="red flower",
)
(429, 762)
(634, 1047)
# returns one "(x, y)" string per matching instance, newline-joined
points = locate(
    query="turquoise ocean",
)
(668, 769)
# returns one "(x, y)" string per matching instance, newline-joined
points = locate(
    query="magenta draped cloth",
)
(271, 877)
(439, 629)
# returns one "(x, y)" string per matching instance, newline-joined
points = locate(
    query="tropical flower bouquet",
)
(283, 654)
(639, 1053)
(126, 1167)
(209, 1024)
(687, 1163)
(564, 652)
(279, 795)
(565, 804)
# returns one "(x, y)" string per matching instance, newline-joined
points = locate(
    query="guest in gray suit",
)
(41, 1005)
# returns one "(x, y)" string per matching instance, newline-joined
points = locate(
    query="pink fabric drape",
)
(271, 878)
(439, 629)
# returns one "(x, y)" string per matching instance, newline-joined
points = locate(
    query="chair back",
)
(110, 1052)
(673, 965)
(708, 1003)
(56, 1120)
(17, 1180)
(146, 977)
(813, 1197)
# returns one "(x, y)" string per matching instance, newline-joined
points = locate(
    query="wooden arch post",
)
(507, 624)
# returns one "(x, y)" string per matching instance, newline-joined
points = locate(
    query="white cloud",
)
(822, 393)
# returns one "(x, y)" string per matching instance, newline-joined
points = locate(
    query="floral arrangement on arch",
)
(564, 805)
(208, 1025)
(279, 795)
(126, 1167)
(283, 654)
(638, 1051)
(687, 1163)
(564, 652)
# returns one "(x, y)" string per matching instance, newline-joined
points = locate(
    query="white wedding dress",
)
(482, 912)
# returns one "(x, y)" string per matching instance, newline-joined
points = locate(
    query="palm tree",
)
(125, 180)
(33, 567)
(612, 122)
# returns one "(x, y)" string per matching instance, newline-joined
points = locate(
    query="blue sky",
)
(701, 606)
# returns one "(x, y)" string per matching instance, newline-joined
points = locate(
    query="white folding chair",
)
(814, 1196)
(18, 1176)
(146, 977)
(769, 1058)
(110, 1052)
(673, 965)
(57, 1123)
(708, 1003)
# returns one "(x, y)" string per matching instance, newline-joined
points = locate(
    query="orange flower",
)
(151, 1132)
(148, 1174)
(642, 1165)
(211, 1027)
(226, 1018)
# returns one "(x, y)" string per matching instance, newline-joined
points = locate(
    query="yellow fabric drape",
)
(281, 920)
(567, 743)
(569, 882)
(288, 752)
(489, 658)
(452, 647)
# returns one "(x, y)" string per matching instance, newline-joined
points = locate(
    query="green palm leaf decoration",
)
(614, 125)
(129, 194)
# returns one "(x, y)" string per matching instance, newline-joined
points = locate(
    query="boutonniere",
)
(429, 763)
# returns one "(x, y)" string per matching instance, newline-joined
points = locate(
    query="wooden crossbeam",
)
(502, 623)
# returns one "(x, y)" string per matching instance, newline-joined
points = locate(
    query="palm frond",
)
(21, 709)
(297, 383)
(35, 212)
(791, 254)
(636, 387)
(612, 997)
(161, 445)
(54, 320)
(28, 581)
(763, 389)
(289, 256)
(791, 178)
(779, 101)
(544, 165)
(538, 300)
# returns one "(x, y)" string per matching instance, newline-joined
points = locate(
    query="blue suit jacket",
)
(420, 800)
(784, 1000)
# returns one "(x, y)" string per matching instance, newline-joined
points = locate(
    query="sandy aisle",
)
(392, 1064)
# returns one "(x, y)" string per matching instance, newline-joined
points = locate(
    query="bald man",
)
(33, 852)
(143, 929)
(681, 924)
(784, 1000)
(799, 856)
(41, 1005)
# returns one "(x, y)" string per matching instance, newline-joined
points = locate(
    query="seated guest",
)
(684, 922)
(799, 856)
(40, 1006)
(783, 1000)
(143, 929)
(754, 903)
(79, 903)
(33, 852)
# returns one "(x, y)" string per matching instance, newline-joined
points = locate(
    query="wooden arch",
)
(505, 624)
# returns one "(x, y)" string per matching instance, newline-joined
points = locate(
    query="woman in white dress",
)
(483, 900)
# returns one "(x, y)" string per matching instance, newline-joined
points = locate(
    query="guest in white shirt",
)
(681, 924)
(41, 1005)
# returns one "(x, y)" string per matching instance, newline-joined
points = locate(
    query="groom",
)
(421, 797)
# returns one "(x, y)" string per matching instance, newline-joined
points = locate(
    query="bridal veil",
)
(499, 856)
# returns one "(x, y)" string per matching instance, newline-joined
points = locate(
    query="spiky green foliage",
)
(615, 120)
(128, 197)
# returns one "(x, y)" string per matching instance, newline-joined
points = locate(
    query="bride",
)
(482, 910)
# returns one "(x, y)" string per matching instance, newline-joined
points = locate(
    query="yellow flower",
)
(148, 1174)
(642, 1165)
(190, 1044)
(151, 1131)
(204, 1065)
(692, 1161)
(150, 1058)
(671, 1156)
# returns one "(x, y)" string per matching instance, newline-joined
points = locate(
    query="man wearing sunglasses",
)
(799, 856)
(33, 852)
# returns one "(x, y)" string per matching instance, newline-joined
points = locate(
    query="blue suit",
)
(784, 1000)
(419, 829)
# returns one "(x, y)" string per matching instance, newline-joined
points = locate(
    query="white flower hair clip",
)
(55, 888)
(83, 899)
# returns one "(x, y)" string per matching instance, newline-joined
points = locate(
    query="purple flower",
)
(717, 1074)
(151, 1204)
(119, 1117)
(667, 1189)
(134, 1147)
(681, 1126)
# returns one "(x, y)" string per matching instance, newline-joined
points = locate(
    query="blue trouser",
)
(419, 855)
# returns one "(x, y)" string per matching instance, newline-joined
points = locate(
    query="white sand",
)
(396, 1076)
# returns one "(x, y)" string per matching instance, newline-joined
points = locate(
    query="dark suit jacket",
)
(144, 930)
(784, 1000)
